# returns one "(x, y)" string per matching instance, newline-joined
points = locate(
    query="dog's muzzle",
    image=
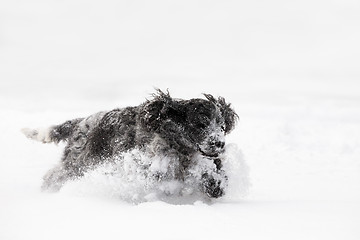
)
(212, 149)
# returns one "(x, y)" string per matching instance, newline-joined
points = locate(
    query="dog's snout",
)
(218, 144)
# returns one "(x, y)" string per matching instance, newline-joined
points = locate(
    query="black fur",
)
(183, 128)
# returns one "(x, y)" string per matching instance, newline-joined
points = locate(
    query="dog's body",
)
(161, 126)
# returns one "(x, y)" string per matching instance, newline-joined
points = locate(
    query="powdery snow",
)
(130, 178)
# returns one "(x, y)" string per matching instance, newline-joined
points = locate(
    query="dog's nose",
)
(219, 144)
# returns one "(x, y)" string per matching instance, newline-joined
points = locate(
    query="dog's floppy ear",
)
(227, 112)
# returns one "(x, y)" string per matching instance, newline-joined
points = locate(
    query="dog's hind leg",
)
(55, 133)
(55, 178)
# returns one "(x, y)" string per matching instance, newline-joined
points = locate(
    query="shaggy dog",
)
(182, 129)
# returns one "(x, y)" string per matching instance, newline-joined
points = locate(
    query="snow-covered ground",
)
(290, 70)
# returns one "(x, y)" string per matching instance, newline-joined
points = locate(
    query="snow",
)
(290, 70)
(135, 177)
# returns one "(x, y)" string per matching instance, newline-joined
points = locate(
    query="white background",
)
(291, 70)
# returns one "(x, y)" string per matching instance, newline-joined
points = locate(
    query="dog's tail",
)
(55, 133)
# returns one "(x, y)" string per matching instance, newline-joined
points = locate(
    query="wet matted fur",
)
(183, 129)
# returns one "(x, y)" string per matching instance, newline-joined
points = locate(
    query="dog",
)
(182, 129)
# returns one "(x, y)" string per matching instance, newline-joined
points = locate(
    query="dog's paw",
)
(212, 187)
(41, 135)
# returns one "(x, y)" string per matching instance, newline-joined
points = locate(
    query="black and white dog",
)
(182, 129)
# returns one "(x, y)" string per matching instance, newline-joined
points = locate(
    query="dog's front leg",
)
(214, 180)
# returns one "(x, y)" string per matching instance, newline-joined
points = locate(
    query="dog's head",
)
(195, 124)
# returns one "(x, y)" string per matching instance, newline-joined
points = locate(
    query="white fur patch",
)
(39, 134)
